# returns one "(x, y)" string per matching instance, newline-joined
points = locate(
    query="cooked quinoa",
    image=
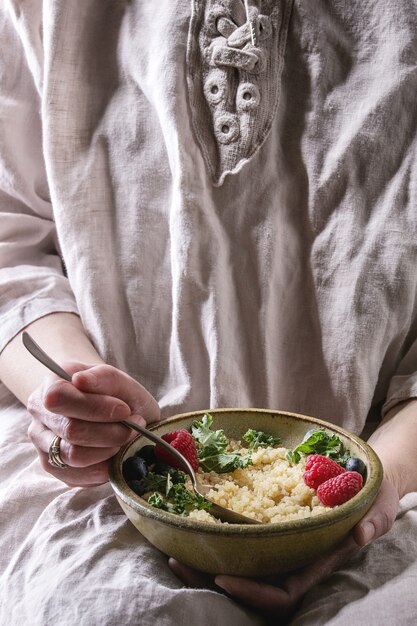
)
(269, 490)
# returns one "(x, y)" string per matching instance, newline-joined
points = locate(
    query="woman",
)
(203, 204)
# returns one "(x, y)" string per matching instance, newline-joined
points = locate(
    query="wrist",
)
(396, 474)
(63, 337)
(395, 442)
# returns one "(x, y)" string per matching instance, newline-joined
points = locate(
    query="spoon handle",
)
(36, 351)
(39, 354)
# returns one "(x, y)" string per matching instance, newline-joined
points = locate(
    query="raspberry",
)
(340, 489)
(319, 469)
(182, 441)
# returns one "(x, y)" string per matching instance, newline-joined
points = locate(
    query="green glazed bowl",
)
(253, 550)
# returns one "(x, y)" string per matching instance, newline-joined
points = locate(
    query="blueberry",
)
(134, 468)
(147, 453)
(308, 433)
(162, 468)
(137, 487)
(356, 465)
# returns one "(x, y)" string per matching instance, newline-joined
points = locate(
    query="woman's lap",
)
(70, 556)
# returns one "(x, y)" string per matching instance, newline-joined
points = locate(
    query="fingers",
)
(256, 594)
(380, 517)
(63, 397)
(107, 380)
(96, 474)
(191, 577)
(86, 414)
(72, 413)
(92, 427)
(75, 456)
(298, 584)
(284, 599)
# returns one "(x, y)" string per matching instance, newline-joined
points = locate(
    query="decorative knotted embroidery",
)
(234, 60)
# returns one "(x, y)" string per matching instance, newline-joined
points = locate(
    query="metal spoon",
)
(220, 512)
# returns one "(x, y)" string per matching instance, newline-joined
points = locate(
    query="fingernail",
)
(223, 584)
(90, 379)
(118, 412)
(368, 532)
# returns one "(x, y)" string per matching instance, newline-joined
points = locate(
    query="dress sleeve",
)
(32, 279)
(403, 385)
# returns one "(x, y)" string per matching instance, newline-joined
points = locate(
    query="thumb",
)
(108, 380)
(380, 517)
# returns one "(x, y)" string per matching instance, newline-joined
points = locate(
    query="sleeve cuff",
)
(402, 388)
(18, 318)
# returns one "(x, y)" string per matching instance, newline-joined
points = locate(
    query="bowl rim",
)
(329, 518)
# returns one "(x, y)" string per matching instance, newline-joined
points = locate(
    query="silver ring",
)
(54, 454)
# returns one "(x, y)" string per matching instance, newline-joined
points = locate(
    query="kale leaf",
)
(171, 494)
(320, 442)
(259, 439)
(225, 462)
(208, 441)
(162, 482)
(185, 500)
(211, 445)
(158, 501)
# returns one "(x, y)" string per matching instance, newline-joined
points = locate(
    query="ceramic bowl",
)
(253, 550)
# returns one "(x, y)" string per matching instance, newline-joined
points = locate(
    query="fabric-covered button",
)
(215, 87)
(226, 128)
(247, 97)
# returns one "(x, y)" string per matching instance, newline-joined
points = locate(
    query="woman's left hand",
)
(283, 599)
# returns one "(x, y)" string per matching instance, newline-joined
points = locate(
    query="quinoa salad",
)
(271, 489)
(256, 477)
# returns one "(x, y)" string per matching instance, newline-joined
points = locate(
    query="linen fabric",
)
(71, 556)
(282, 277)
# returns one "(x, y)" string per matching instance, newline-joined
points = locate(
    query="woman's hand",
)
(86, 414)
(281, 600)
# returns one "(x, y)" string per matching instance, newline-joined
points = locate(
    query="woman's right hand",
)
(86, 414)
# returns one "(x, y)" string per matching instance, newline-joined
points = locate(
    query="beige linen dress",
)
(235, 223)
